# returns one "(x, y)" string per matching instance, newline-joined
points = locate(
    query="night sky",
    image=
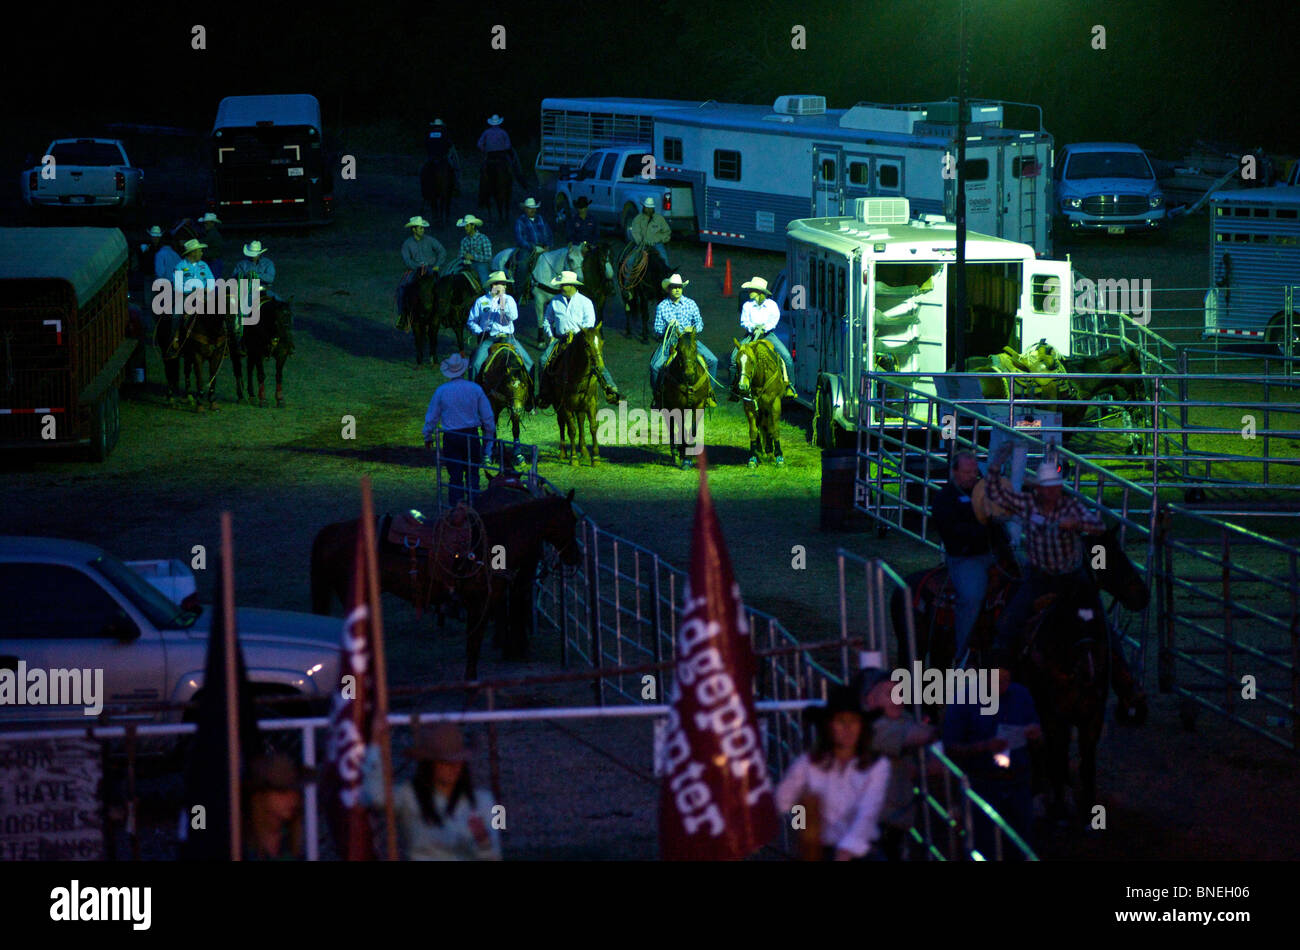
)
(1172, 72)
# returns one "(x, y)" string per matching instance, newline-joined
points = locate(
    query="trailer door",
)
(828, 195)
(1046, 305)
(983, 190)
(806, 319)
(1024, 172)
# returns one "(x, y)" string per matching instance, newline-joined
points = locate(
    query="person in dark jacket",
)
(966, 544)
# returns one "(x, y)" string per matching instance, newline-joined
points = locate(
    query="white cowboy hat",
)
(254, 249)
(529, 203)
(673, 281)
(498, 277)
(469, 219)
(566, 277)
(437, 122)
(757, 283)
(454, 366)
(209, 218)
(193, 244)
(648, 203)
(417, 222)
(155, 231)
(495, 119)
(1049, 473)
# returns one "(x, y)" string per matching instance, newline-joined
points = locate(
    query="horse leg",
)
(279, 381)
(1057, 736)
(237, 364)
(591, 424)
(1089, 735)
(417, 332)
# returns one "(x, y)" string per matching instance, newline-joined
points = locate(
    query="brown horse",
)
(439, 302)
(508, 385)
(684, 390)
(271, 336)
(437, 180)
(595, 259)
(203, 340)
(496, 184)
(762, 386)
(574, 379)
(502, 588)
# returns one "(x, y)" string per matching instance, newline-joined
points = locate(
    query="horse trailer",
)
(870, 293)
(753, 169)
(269, 166)
(64, 349)
(1254, 264)
(574, 128)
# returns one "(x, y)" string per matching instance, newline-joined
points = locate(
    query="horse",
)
(597, 275)
(203, 339)
(436, 302)
(521, 530)
(271, 336)
(576, 384)
(762, 386)
(684, 388)
(546, 268)
(641, 272)
(437, 181)
(496, 185)
(508, 386)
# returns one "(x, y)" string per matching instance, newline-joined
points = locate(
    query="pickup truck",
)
(617, 181)
(68, 605)
(82, 173)
(1108, 186)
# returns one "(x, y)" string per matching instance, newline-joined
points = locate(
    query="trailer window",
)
(1285, 212)
(812, 284)
(828, 169)
(1046, 290)
(1024, 167)
(887, 175)
(726, 164)
(859, 173)
(672, 149)
(977, 169)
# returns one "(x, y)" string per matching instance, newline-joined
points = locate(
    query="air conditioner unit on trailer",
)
(800, 105)
(882, 210)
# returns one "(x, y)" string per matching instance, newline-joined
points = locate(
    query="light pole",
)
(957, 315)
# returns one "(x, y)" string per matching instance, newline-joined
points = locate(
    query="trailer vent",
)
(881, 210)
(800, 105)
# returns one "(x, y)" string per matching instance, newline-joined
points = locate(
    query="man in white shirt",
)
(493, 318)
(461, 408)
(759, 318)
(568, 312)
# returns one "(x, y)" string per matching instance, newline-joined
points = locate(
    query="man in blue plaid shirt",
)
(683, 311)
(532, 235)
(475, 248)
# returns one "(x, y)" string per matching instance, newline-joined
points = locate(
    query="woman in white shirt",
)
(440, 817)
(845, 775)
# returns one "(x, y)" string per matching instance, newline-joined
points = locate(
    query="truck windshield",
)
(1108, 165)
(87, 153)
(150, 601)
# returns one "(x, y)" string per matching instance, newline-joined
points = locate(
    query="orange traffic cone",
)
(708, 255)
(726, 281)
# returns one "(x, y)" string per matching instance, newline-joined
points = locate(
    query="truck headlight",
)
(1157, 200)
(1073, 204)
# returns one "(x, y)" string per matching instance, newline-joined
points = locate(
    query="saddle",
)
(448, 544)
(498, 351)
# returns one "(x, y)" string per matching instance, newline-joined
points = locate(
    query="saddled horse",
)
(762, 386)
(597, 276)
(508, 385)
(271, 336)
(496, 185)
(437, 181)
(575, 385)
(1065, 661)
(641, 273)
(684, 389)
(421, 576)
(203, 339)
(546, 268)
(439, 302)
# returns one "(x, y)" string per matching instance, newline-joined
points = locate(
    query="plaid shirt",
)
(477, 248)
(684, 311)
(1050, 548)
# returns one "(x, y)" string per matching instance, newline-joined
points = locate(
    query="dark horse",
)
(641, 272)
(496, 184)
(437, 180)
(575, 384)
(596, 283)
(762, 385)
(436, 303)
(508, 385)
(521, 530)
(271, 336)
(1066, 662)
(203, 340)
(684, 389)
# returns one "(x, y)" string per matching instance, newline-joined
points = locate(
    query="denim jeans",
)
(460, 451)
(481, 354)
(970, 579)
(659, 359)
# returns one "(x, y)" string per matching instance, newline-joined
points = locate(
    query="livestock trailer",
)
(574, 128)
(63, 337)
(269, 165)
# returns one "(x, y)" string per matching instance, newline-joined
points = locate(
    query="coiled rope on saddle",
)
(633, 266)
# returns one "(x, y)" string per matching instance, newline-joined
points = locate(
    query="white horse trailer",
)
(871, 293)
(574, 128)
(753, 170)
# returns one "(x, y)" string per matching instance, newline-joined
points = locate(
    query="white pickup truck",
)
(82, 173)
(617, 181)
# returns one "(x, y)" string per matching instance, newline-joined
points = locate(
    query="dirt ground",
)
(1214, 793)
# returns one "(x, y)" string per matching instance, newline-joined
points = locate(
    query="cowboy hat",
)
(495, 119)
(417, 222)
(673, 281)
(155, 231)
(529, 203)
(276, 772)
(648, 203)
(756, 283)
(498, 277)
(437, 122)
(444, 743)
(454, 366)
(566, 277)
(582, 202)
(254, 249)
(468, 220)
(193, 244)
(209, 218)
(1048, 474)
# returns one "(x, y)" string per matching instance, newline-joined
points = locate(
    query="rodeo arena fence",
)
(1170, 467)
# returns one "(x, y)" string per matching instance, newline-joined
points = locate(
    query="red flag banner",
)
(716, 802)
(351, 717)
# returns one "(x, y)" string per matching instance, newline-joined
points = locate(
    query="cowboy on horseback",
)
(568, 312)
(759, 318)
(649, 229)
(1054, 524)
(532, 237)
(683, 313)
(257, 266)
(493, 319)
(437, 145)
(422, 254)
(475, 249)
(583, 228)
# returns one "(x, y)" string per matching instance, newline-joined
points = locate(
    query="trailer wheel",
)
(105, 425)
(1273, 335)
(628, 215)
